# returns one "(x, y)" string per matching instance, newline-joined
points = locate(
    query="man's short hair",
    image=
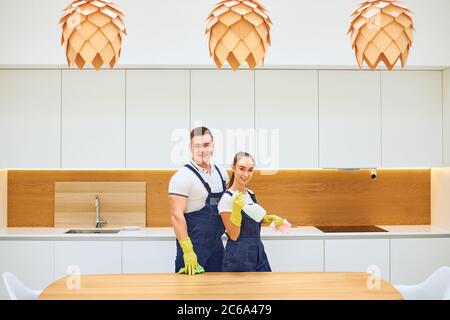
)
(201, 131)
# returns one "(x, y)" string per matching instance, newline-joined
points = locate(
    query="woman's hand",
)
(236, 213)
(269, 218)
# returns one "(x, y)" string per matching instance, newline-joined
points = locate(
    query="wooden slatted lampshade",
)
(238, 31)
(381, 30)
(92, 32)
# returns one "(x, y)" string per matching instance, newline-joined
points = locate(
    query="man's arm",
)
(178, 206)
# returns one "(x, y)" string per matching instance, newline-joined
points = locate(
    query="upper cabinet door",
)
(287, 118)
(93, 119)
(157, 118)
(223, 101)
(349, 119)
(412, 118)
(30, 113)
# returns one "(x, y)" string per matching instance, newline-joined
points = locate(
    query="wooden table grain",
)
(223, 286)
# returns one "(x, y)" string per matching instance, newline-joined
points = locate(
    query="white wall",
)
(171, 32)
(446, 114)
(3, 198)
(440, 200)
(440, 178)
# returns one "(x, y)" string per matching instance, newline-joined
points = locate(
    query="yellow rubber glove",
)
(236, 211)
(189, 256)
(269, 218)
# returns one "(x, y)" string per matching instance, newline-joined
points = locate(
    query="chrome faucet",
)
(98, 220)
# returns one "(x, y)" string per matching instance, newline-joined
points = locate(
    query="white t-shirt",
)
(226, 202)
(186, 184)
(252, 209)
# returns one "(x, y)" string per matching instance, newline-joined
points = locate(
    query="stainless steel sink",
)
(93, 231)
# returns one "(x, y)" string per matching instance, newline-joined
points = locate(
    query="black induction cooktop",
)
(350, 229)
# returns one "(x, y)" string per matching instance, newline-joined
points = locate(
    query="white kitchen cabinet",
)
(286, 106)
(30, 112)
(93, 119)
(148, 256)
(290, 255)
(412, 118)
(446, 96)
(358, 255)
(413, 260)
(157, 118)
(349, 119)
(87, 257)
(223, 101)
(30, 261)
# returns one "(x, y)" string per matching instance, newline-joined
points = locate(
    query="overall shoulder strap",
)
(221, 178)
(199, 176)
(253, 196)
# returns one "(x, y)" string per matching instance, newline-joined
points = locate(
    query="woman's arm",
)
(233, 231)
(232, 218)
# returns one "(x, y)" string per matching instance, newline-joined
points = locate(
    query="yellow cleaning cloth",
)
(199, 269)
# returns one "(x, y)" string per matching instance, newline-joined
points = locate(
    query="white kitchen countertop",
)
(403, 231)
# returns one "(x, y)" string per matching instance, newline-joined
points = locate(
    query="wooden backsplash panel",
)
(31, 193)
(120, 203)
(335, 197)
(304, 197)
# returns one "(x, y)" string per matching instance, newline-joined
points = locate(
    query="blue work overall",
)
(246, 254)
(205, 228)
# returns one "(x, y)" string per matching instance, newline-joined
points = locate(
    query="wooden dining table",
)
(223, 286)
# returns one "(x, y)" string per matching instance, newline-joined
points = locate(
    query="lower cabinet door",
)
(358, 255)
(148, 256)
(414, 259)
(87, 257)
(30, 261)
(290, 255)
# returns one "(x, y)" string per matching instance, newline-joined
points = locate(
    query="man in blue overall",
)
(194, 193)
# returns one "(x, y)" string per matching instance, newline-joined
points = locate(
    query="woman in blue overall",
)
(242, 217)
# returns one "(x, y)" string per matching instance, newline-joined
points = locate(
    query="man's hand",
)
(189, 256)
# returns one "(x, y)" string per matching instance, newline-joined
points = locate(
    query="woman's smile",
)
(243, 180)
